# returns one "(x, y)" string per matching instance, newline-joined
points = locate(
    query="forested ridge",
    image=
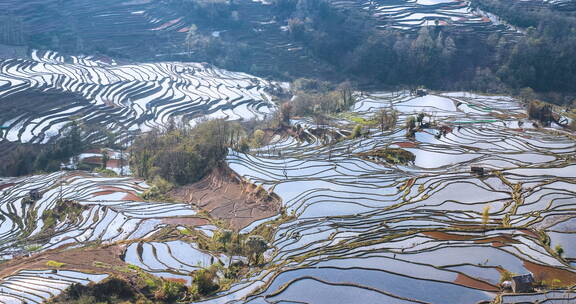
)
(335, 43)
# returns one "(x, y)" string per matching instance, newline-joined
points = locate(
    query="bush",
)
(255, 246)
(54, 264)
(170, 291)
(559, 250)
(111, 290)
(386, 119)
(356, 132)
(204, 279)
(258, 138)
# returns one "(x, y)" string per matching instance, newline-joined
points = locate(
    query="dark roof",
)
(524, 279)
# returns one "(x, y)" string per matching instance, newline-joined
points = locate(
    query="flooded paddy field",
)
(360, 229)
(42, 94)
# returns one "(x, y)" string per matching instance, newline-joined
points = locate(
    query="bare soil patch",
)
(79, 259)
(226, 196)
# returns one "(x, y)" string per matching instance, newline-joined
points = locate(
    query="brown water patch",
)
(94, 160)
(113, 163)
(103, 193)
(529, 232)
(131, 197)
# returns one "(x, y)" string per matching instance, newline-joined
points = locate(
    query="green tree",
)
(224, 237)
(255, 247)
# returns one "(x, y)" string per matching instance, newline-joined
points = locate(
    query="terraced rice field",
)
(562, 5)
(364, 230)
(125, 99)
(413, 233)
(411, 15)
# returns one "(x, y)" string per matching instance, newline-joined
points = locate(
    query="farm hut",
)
(522, 283)
(477, 170)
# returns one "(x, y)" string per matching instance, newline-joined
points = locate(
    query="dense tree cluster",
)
(182, 154)
(544, 58)
(25, 159)
(314, 97)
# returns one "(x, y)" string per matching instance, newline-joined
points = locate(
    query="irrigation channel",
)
(364, 231)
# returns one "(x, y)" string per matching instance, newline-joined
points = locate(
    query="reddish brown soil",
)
(406, 144)
(224, 196)
(443, 236)
(113, 163)
(74, 259)
(498, 241)
(474, 283)
(130, 195)
(529, 232)
(547, 273)
(4, 186)
(93, 160)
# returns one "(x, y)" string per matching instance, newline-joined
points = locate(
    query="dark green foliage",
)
(255, 246)
(390, 155)
(205, 280)
(141, 288)
(26, 159)
(113, 290)
(314, 97)
(64, 209)
(183, 155)
(356, 132)
(541, 112)
(170, 291)
(544, 58)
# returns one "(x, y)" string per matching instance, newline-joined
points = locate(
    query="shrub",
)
(356, 132)
(486, 215)
(171, 290)
(204, 279)
(506, 275)
(410, 123)
(223, 237)
(559, 250)
(386, 119)
(54, 264)
(258, 138)
(255, 246)
(106, 172)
